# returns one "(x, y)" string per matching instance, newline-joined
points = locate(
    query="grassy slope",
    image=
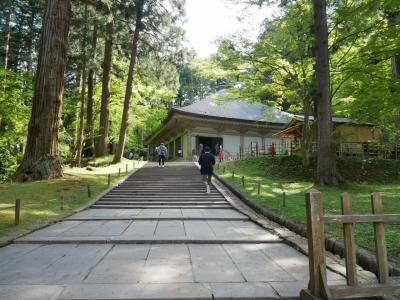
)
(277, 176)
(41, 199)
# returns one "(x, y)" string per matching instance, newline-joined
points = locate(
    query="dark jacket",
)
(206, 161)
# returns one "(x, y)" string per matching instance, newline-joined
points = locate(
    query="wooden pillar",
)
(316, 241)
(349, 243)
(380, 243)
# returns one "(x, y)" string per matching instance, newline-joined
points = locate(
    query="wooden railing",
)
(318, 284)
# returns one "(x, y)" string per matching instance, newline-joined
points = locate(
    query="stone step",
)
(162, 192)
(164, 206)
(144, 240)
(162, 199)
(165, 190)
(159, 197)
(173, 179)
(164, 184)
(171, 291)
(158, 203)
(158, 218)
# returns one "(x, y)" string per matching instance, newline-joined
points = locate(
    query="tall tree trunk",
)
(7, 48)
(307, 134)
(128, 93)
(74, 144)
(41, 158)
(393, 20)
(79, 144)
(89, 144)
(326, 160)
(30, 41)
(7, 44)
(105, 94)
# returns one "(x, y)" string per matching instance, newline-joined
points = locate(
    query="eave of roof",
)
(226, 118)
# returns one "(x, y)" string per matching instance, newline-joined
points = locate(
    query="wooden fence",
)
(356, 149)
(318, 284)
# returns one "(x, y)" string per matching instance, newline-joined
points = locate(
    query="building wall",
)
(231, 143)
(249, 139)
(352, 133)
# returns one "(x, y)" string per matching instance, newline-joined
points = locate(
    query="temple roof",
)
(223, 105)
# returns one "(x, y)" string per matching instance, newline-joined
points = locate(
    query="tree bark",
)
(306, 140)
(89, 144)
(8, 35)
(41, 158)
(128, 93)
(326, 160)
(30, 42)
(79, 143)
(393, 19)
(74, 144)
(105, 94)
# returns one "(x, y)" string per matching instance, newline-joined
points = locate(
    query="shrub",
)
(8, 162)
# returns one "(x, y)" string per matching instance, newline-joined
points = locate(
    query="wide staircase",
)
(157, 235)
(172, 187)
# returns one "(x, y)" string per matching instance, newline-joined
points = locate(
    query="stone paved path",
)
(155, 236)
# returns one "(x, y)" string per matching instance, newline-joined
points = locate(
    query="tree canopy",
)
(102, 68)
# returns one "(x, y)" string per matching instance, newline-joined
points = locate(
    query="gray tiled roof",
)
(223, 105)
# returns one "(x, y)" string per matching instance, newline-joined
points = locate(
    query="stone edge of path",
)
(84, 207)
(294, 234)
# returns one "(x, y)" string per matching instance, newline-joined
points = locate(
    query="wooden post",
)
(242, 181)
(62, 203)
(89, 192)
(224, 169)
(349, 243)
(380, 243)
(258, 189)
(126, 168)
(17, 211)
(109, 179)
(284, 199)
(316, 241)
(233, 174)
(119, 172)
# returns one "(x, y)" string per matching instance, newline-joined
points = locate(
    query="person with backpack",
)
(206, 161)
(162, 153)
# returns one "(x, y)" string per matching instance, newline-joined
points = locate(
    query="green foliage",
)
(278, 69)
(197, 79)
(284, 174)
(15, 97)
(22, 20)
(41, 199)
(8, 162)
(351, 169)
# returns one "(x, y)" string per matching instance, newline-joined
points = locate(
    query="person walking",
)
(162, 152)
(221, 155)
(206, 161)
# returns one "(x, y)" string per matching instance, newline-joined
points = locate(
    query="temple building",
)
(239, 127)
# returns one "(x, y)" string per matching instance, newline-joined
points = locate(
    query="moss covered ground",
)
(278, 175)
(41, 200)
